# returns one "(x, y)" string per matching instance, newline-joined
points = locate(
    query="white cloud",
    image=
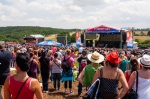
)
(93, 2)
(129, 11)
(5, 18)
(75, 8)
(76, 13)
(35, 20)
(68, 18)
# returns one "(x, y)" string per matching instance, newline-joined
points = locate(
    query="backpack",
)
(65, 64)
(83, 64)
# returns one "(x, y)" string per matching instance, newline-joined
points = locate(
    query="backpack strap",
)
(68, 59)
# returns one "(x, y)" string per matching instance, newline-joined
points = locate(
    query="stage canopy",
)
(103, 29)
(49, 43)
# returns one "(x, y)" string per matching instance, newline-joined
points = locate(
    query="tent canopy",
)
(103, 29)
(49, 43)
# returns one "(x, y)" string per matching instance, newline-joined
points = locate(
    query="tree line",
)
(16, 33)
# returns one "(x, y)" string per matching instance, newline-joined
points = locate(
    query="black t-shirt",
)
(83, 58)
(44, 64)
(5, 57)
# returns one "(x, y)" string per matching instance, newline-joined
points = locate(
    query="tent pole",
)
(121, 38)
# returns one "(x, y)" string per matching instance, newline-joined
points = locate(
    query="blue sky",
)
(75, 13)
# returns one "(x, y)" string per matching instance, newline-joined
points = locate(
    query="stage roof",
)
(103, 29)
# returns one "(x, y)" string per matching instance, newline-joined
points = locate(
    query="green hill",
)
(16, 33)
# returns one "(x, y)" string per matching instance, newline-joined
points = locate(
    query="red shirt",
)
(26, 92)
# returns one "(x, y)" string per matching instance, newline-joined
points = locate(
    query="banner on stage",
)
(129, 39)
(78, 37)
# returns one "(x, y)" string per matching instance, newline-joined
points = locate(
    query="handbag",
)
(21, 88)
(133, 94)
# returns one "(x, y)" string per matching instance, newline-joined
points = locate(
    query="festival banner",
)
(78, 37)
(129, 39)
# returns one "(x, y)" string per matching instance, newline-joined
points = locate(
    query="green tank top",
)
(89, 73)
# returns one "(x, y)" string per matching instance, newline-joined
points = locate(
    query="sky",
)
(70, 14)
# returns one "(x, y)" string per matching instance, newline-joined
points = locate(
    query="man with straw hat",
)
(87, 74)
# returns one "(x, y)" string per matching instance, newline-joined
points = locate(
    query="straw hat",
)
(95, 57)
(113, 57)
(144, 60)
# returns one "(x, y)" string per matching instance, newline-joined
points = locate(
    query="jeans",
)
(45, 78)
(1, 92)
(79, 88)
(13, 62)
(56, 79)
(70, 84)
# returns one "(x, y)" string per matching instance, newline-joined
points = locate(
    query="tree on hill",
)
(148, 34)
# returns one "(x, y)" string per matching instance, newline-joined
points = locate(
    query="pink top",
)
(72, 54)
(70, 60)
(54, 49)
(26, 92)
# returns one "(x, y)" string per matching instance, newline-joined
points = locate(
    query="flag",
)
(78, 37)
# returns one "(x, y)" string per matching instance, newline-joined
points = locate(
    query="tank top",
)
(33, 67)
(26, 92)
(108, 85)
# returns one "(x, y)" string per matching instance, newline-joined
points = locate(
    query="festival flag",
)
(129, 39)
(78, 37)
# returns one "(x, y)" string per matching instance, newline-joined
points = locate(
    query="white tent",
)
(135, 45)
(38, 36)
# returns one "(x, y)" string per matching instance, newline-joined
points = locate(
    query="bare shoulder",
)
(34, 80)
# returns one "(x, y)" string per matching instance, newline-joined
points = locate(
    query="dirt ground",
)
(61, 95)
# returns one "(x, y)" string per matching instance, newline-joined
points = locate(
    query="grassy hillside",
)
(16, 33)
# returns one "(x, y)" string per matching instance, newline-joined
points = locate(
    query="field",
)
(142, 37)
(53, 37)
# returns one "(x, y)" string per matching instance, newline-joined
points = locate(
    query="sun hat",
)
(144, 60)
(95, 57)
(113, 57)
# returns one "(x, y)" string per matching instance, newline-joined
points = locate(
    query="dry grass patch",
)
(143, 38)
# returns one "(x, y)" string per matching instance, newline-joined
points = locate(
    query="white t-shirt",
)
(59, 55)
(81, 49)
(24, 50)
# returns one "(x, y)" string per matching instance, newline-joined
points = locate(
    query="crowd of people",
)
(118, 70)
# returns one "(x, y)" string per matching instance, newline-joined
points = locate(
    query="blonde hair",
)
(49, 52)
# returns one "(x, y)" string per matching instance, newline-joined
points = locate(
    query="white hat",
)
(145, 60)
(95, 57)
